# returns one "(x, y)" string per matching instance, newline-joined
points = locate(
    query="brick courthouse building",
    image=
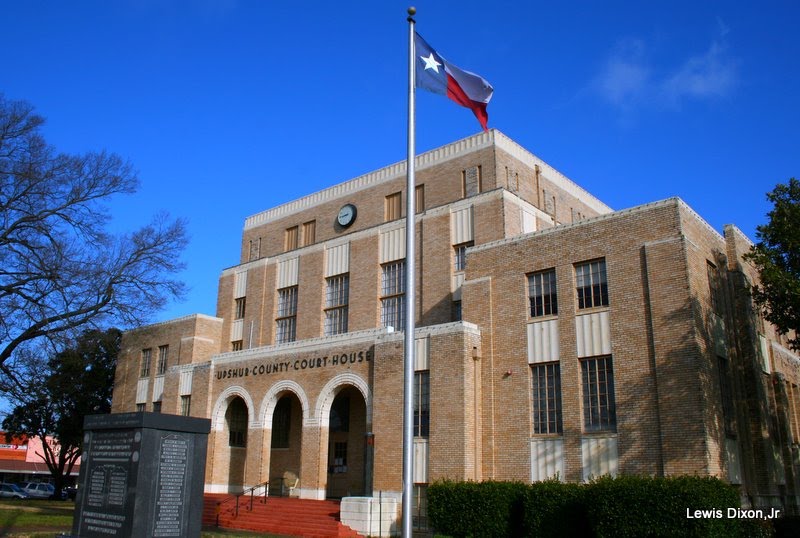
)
(555, 337)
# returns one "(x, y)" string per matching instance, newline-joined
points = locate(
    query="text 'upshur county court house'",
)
(555, 338)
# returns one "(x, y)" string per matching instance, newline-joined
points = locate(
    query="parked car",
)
(12, 491)
(38, 490)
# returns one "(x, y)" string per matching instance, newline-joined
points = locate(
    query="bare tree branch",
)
(60, 271)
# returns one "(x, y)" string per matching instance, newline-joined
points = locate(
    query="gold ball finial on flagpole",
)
(412, 11)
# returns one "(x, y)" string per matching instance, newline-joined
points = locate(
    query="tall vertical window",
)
(794, 419)
(287, 315)
(715, 288)
(542, 293)
(144, 369)
(393, 207)
(419, 198)
(591, 284)
(157, 407)
(163, 351)
(309, 232)
(337, 292)
(546, 383)
(236, 417)
(255, 248)
(393, 288)
(726, 393)
(240, 305)
(460, 252)
(422, 403)
(281, 419)
(471, 181)
(186, 405)
(599, 409)
(290, 238)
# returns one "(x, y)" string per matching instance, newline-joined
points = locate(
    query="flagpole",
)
(408, 366)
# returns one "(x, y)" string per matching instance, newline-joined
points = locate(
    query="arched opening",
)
(236, 426)
(285, 445)
(347, 428)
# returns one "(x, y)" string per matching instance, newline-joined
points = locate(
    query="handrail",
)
(236, 496)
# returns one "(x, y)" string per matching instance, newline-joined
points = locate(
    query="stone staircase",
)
(279, 515)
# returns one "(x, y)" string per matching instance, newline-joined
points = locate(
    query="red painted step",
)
(279, 515)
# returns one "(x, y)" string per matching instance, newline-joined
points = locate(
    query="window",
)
(422, 403)
(542, 293)
(393, 287)
(281, 419)
(156, 407)
(140, 407)
(715, 288)
(340, 415)
(337, 292)
(792, 411)
(287, 315)
(546, 383)
(419, 198)
(144, 370)
(726, 393)
(471, 181)
(599, 412)
(290, 240)
(591, 284)
(419, 514)
(186, 405)
(457, 311)
(240, 305)
(309, 232)
(255, 249)
(393, 207)
(339, 457)
(237, 345)
(460, 252)
(236, 417)
(163, 351)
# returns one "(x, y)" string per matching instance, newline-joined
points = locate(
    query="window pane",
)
(546, 383)
(393, 295)
(422, 404)
(543, 293)
(599, 410)
(591, 285)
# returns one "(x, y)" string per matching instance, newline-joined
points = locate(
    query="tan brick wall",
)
(666, 375)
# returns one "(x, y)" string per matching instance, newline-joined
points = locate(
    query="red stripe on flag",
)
(455, 93)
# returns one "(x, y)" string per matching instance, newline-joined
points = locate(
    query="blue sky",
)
(230, 107)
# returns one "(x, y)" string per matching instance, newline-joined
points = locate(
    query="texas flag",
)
(435, 74)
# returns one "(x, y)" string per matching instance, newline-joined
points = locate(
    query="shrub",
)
(476, 509)
(626, 506)
(634, 506)
(553, 508)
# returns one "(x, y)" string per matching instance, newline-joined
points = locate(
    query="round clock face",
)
(347, 215)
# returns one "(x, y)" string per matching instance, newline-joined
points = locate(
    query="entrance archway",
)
(285, 444)
(347, 458)
(236, 423)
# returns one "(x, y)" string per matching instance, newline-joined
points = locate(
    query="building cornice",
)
(675, 201)
(554, 176)
(190, 317)
(388, 173)
(425, 160)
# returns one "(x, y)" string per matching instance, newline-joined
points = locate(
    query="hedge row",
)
(626, 506)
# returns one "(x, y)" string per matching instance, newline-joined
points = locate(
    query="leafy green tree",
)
(777, 258)
(76, 382)
(60, 270)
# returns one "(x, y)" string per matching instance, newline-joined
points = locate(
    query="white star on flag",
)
(431, 63)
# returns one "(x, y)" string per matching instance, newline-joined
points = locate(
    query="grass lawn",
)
(45, 519)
